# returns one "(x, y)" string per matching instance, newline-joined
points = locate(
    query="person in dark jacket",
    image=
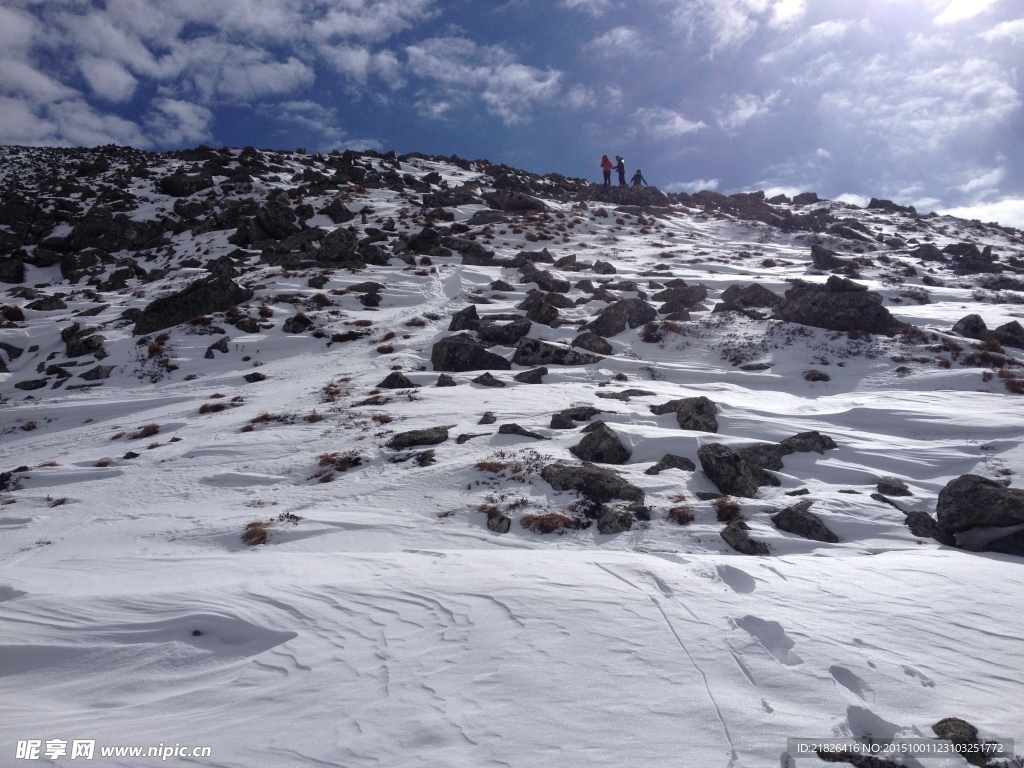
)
(620, 166)
(606, 169)
(638, 179)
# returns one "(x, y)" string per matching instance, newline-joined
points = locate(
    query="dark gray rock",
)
(465, 319)
(337, 211)
(545, 280)
(299, 323)
(825, 259)
(805, 442)
(695, 413)
(513, 202)
(46, 304)
(893, 486)
(837, 309)
(181, 184)
(602, 446)
(737, 536)
(612, 521)
(680, 298)
(505, 334)
(11, 270)
(98, 373)
(254, 377)
(203, 297)
(970, 501)
(615, 318)
(338, 247)
(536, 352)
(671, 461)
(221, 345)
(431, 436)
(598, 484)
(751, 296)
(604, 268)
(444, 380)
(764, 455)
(566, 418)
(488, 380)
(31, 384)
(532, 376)
(800, 521)
(82, 341)
(425, 240)
(488, 418)
(462, 352)
(515, 429)
(1008, 545)
(499, 523)
(727, 469)
(964, 737)
(592, 343)
(397, 380)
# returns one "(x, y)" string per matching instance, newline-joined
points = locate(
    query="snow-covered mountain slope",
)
(242, 505)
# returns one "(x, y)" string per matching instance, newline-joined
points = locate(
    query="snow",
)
(384, 624)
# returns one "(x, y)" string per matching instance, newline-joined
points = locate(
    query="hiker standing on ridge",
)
(620, 166)
(638, 179)
(606, 169)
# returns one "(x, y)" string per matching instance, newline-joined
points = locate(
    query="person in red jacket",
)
(606, 169)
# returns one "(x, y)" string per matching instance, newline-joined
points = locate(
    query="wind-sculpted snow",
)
(396, 600)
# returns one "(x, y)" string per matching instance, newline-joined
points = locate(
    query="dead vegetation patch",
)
(550, 522)
(726, 509)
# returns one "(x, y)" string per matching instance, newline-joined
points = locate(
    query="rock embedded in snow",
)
(893, 486)
(566, 418)
(838, 309)
(614, 319)
(601, 445)
(444, 380)
(595, 483)
(203, 297)
(532, 376)
(488, 380)
(799, 520)
(515, 429)
(465, 319)
(728, 470)
(536, 352)
(463, 352)
(671, 461)
(804, 442)
(506, 334)
(764, 455)
(693, 413)
(397, 380)
(430, 436)
(612, 521)
(751, 296)
(592, 343)
(971, 501)
(737, 536)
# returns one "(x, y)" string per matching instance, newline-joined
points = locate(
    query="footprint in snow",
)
(926, 681)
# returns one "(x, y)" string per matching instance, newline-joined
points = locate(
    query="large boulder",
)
(728, 470)
(680, 298)
(212, 294)
(601, 445)
(838, 306)
(513, 202)
(971, 501)
(696, 413)
(737, 536)
(825, 259)
(338, 246)
(805, 442)
(545, 280)
(466, 319)
(181, 184)
(533, 352)
(615, 318)
(506, 334)
(431, 436)
(598, 484)
(11, 270)
(799, 520)
(462, 352)
(751, 296)
(592, 343)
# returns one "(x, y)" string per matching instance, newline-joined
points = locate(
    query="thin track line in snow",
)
(733, 757)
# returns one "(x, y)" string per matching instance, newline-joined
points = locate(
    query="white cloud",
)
(661, 123)
(22, 125)
(787, 12)
(108, 79)
(463, 69)
(1008, 212)
(19, 78)
(176, 123)
(81, 125)
(619, 41)
(1011, 30)
(593, 7)
(744, 107)
(854, 199)
(579, 97)
(731, 23)
(692, 186)
(962, 10)
(984, 182)
(823, 153)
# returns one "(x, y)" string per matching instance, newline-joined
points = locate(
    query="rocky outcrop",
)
(462, 352)
(805, 442)
(601, 445)
(732, 474)
(397, 380)
(592, 343)
(971, 501)
(743, 297)
(598, 484)
(567, 417)
(737, 536)
(799, 521)
(431, 436)
(838, 306)
(1009, 334)
(505, 334)
(203, 297)
(671, 461)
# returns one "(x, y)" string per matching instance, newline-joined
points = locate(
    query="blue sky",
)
(919, 101)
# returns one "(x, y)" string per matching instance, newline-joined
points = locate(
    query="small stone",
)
(532, 376)
(515, 429)
(671, 461)
(893, 486)
(488, 418)
(488, 380)
(255, 376)
(444, 380)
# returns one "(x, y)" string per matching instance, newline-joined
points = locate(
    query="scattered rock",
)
(506, 335)
(499, 523)
(488, 418)
(465, 319)
(612, 521)
(592, 343)
(515, 429)
(799, 521)
(466, 437)
(488, 380)
(536, 352)
(737, 536)
(431, 436)
(98, 373)
(764, 455)
(462, 352)
(615, 318)
(444, 380)
(727, 469)
(31, 384)
(566, 418)
(203, 297)
(970, 501)
(46, 304)
(805, 442)
(671, 461)
(254, 377)
(964, 737)
(893, 486)
(299, 323)
(598, 484)
(751, 296)
(532, 376)
(221, 345)
(601, 445)
(397, 380)
(694, 413)
(838, 308)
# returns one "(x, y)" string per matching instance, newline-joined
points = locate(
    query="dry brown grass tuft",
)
(255, 533)
(212, 407)
(385, 349)
(683, 514)
(147, 431)
(374, 400)
(59, 502)
(382, 418)
(313, 418)
(491, 466)
(726, 509)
